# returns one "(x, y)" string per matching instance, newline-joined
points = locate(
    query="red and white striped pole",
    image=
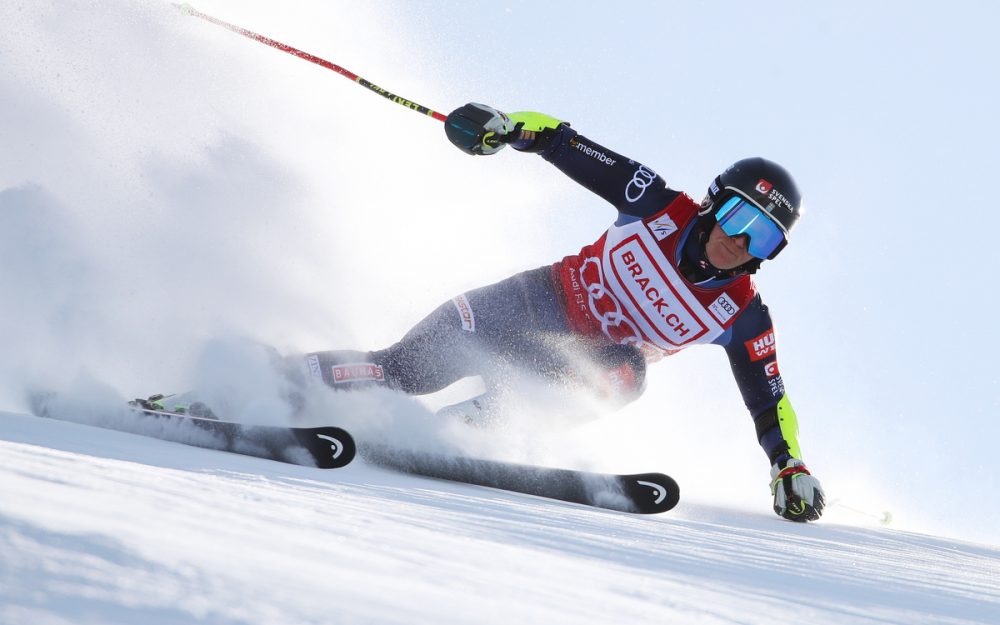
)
(190, 10)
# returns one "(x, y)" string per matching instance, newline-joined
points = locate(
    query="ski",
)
(329, 447)
(325, 447)
(640, 493)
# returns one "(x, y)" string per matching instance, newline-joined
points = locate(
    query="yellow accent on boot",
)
(789, 424)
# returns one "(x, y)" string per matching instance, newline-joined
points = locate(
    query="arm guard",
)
(752, 353)
(778, 431)
(537, 130)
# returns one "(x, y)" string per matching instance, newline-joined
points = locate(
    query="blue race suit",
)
(645, 285)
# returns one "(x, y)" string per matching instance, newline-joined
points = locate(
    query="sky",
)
(168, 188)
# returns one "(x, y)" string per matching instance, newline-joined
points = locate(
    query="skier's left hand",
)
(621, 373)
(798, 495)
(479, 129)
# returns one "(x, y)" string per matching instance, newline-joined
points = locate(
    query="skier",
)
(668, 274)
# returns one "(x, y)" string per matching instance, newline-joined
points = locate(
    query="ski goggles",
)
(738, 215)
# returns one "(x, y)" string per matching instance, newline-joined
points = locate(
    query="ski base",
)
(640, 493)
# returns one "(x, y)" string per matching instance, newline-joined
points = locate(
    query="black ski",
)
(329, 447)
(642, 493)
(325, 447)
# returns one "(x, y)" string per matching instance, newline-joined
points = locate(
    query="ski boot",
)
(155, 403)
(482, 411)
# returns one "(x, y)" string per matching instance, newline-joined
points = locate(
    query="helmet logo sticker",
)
(776, 196)
(765, 184)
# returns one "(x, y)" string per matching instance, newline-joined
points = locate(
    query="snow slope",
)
(102, 527)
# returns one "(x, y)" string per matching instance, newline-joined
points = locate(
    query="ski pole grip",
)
(492, 139)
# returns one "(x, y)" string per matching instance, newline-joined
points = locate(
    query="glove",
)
(479, 129)
(612, 374)
(622, 373)
(797, 494)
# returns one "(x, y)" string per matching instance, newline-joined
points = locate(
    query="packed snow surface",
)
(102, 527)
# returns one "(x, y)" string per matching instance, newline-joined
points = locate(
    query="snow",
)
(98, 526)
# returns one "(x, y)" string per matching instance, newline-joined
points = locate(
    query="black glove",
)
(479, 129)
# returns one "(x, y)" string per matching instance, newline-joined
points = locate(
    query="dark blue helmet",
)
(766, 183)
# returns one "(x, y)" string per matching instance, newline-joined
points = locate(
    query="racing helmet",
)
(757, 198)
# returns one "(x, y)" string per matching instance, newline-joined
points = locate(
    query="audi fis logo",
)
(605, 308)
(641, 180)
(761, 347)
(724, 308)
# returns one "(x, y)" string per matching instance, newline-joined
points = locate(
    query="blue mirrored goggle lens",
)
(737, 216)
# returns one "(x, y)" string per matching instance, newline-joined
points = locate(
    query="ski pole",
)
(884, 519)
(187, 9)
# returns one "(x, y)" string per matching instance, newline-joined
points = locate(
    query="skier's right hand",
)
(479, 129)
(798, 495)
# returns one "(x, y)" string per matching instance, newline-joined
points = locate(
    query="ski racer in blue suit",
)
(668, 274)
